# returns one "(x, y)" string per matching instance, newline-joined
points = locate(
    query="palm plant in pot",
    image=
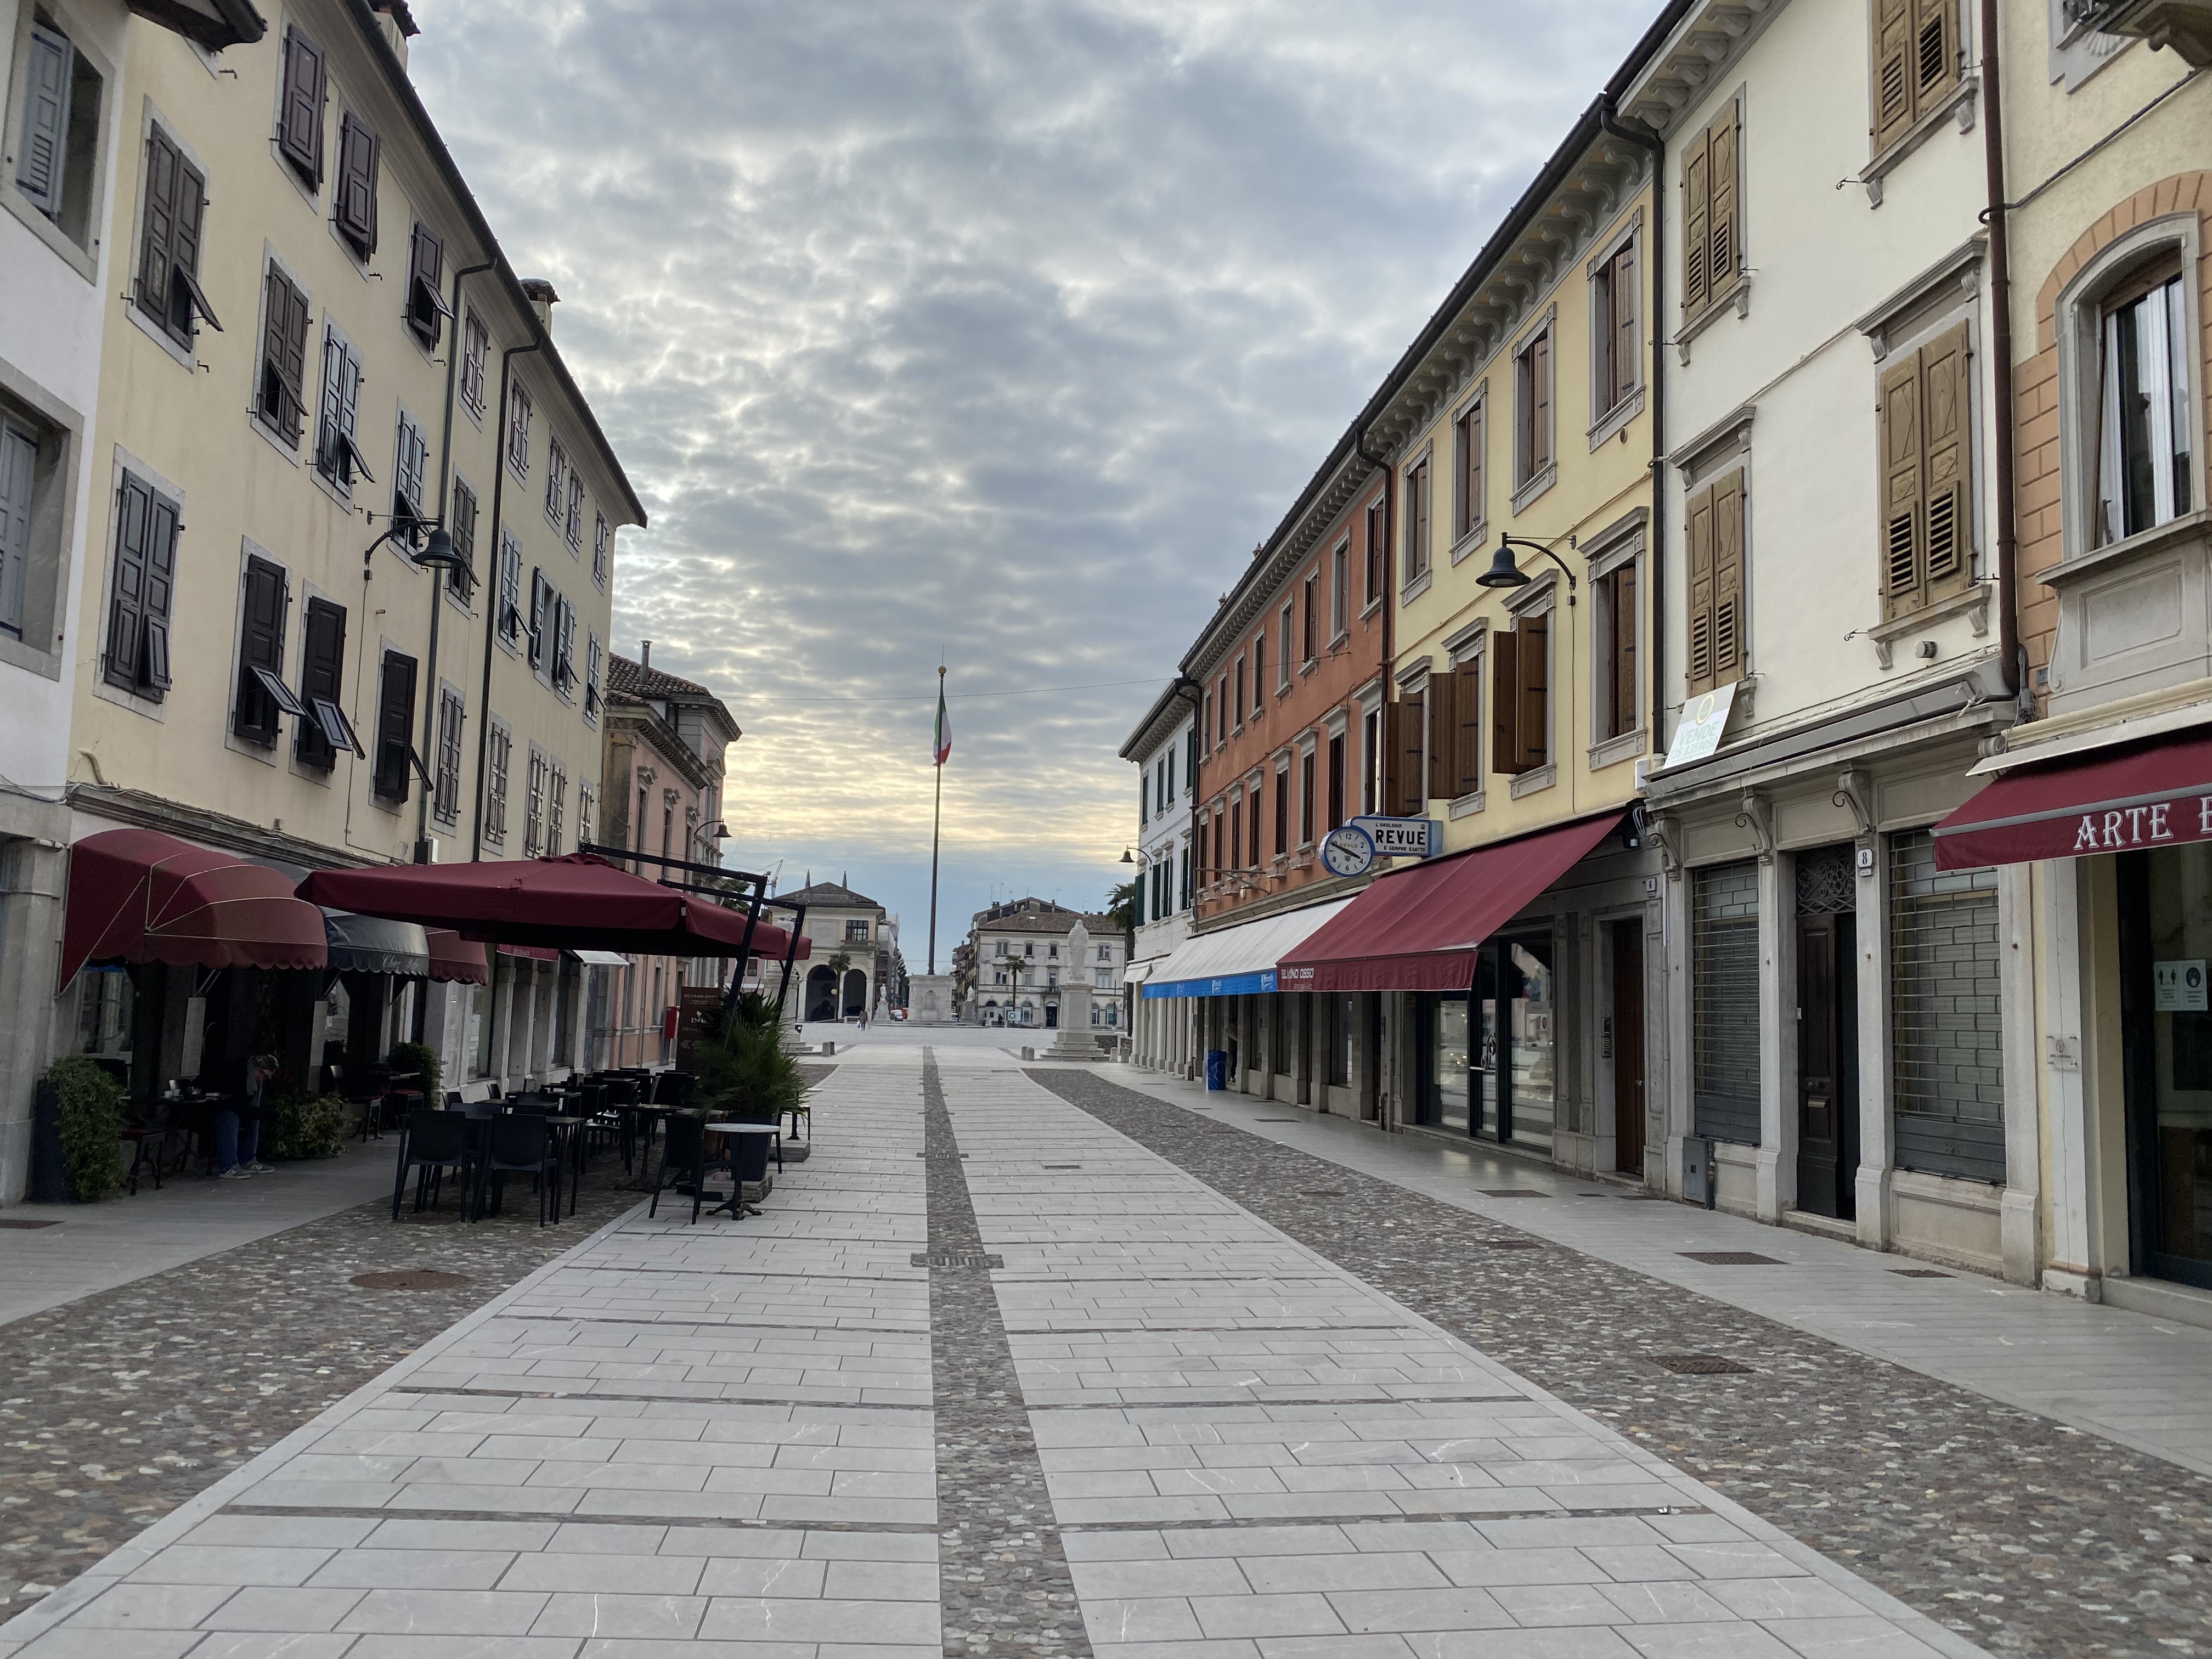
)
(746, 1074)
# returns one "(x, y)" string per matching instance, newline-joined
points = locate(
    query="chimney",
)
(542, 299)
(398, 23)
(645, 657)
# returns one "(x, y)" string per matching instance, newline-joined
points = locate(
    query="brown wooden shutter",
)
(1696, 223)
(356, 206)
(300, 127)
(322, 668)
(1903, 560)
(1627, 349)
(157, 228)
(1622, 716)
(1698, 668)
(1892, 70)
(1935, 52)
(127, 616)
(1504, 701)
(1947, 516)
(1443, 737)
(427, 310)
(262, 646)
(1412, 770)
(1466, 709)
(1539, 403)
(160, 590)
(395, 723)
(1533, 713)
(1723, 244)
(1731, 619)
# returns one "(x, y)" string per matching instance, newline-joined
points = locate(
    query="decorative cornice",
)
(1697, 52)
(1276, 562)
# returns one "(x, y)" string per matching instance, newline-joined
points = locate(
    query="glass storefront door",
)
(1524, 967)
(2166, 944)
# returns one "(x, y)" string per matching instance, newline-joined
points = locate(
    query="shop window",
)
(1343, 1014)
(2144, 425)
(1947, 1072)
(1725, 1042)
(2165, 941)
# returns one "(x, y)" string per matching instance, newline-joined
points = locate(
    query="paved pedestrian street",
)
(1006, 1368)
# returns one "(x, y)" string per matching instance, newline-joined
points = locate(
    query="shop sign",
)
(2178, 988)
(1703, 722)
(702, 1006)
(1400, 838)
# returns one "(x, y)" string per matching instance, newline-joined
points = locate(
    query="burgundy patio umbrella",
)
(140, 896)
(578, 902)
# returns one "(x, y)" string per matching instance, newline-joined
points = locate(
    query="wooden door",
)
(1820, 1106)
(1628, 1048)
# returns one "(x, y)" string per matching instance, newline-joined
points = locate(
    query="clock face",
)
(1347, 851)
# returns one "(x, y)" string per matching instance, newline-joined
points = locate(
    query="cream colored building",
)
(313, 343)
(1026, 972)
(838, 921)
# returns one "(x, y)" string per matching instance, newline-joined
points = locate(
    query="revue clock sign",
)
(1351, 849)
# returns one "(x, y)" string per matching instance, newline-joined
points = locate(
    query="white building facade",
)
(1165, 749)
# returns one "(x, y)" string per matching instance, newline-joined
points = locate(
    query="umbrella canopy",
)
(454, 960)
(140, 896)
(577, 902)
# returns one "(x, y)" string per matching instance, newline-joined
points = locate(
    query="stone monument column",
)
(1075, 1036)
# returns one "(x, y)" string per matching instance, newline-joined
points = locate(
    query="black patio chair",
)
(682, 1153)
(431, 1144)
(671, 1088)
(516, 1145)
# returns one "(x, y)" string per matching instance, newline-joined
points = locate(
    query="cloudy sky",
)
(991, 328)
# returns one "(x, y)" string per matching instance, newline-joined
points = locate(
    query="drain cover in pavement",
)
(1734, 1258)
(25, 1226)
(1512, 1192)
(956, 1259)
(1322, 1192)
(1918, 1273)
(1063, 1166)
(1275, 1119)
(1513, 1243)
(1699, 1365)
(411, 1279)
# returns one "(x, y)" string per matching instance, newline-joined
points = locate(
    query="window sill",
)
(182, 357)
(1339, 640)
(153, 708)
(1308, 665)
(1617, 417)
(252, 748)
(323, 482)
(1413, 589)
(2141, 542)
(1959, 107)
(1612, 751)
(1370, 608)
(1535, 487)
(1973, 604)
(1540, 777)
(1467, 806)
(274, 438)
(1736, 297)
(47, 665)
(84, 262)
(1470, 543)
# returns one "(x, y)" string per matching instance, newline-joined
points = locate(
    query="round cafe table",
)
(743, 1164)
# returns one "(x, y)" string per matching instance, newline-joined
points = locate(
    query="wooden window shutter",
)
(261, 646)
(300, 127)
(355, 209)
(1731, 619)
(185, 294)
(277, 398)
(160, 589)
(127, 616)
(1443, 737)
(427, 310)
(1947, 518)
(1412, 765)
(1624, 622)
(1539, 403)
(1533, 708)
(1698, 667)
(157, 229)
(1627, 349)
(1935, 52)
(322, 667)
(39, 169)
(1505, 700)
(1903, 560)
(395, 721)
(1725, 246)
(1696, 223)
(1466, 709)
(1893, 34)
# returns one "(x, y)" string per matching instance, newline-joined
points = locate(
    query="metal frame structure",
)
(723, 894)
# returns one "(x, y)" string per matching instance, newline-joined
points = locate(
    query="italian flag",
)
(942, 746)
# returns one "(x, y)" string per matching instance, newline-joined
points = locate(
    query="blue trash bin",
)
(1217, 1068)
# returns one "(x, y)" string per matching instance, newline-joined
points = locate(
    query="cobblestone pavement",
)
(117, 1407)
(2028, 1536)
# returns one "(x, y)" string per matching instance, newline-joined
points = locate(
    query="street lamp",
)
(1505, 571)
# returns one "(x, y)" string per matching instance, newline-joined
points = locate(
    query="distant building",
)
(1023, 961)
(840, 922)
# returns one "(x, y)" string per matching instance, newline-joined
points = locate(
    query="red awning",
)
(140, 896)
(530, 952)
(2154, 794)
(1417, 929)
(454, 960)
(577, 902)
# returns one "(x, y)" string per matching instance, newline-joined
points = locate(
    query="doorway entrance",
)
(1827, 1033)
(1625, 1038)
(2165, 991)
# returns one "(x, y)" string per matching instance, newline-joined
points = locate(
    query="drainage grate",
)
(1275, 1119)
(1512, 1192)
(1918, 1273)
(1513, 1243)
(1734, 1258)
(25, 1226)
(1062, 1166)
(411, 1279)
(1699, 1365)
(1321, 1192)
(956, 1259)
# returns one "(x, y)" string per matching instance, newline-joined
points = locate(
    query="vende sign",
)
(2146, 797)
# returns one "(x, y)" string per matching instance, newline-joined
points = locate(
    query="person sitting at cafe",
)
(238, 1118)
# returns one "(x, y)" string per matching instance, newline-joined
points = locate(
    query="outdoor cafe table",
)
(735, 1203)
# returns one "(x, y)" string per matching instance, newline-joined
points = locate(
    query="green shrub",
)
(418, 1057)
(306, 1126)
(91, 1119)
(744, 1071)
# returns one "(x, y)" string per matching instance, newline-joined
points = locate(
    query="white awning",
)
(1239, 960)
(1137, 972)
(2024, 745)
(600, 959)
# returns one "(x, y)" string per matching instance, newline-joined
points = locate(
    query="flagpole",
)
(936, 822)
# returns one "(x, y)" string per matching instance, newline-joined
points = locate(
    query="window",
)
(1615, 621)
(1725, 1040)
(1258, 670)
(1466, 735)
(1240, 703)
(1370, 756)
(1221, 703)
(476, 355)
(174, 211)
(540, 618)
(1409, 785)
(1282, 814)
(1252, 848)
(518, 429)
(1467, 504)
(262, 694)
(533, 805)
(1711, 247)
(1716, 597)
(1417, 521)
(337, 452)
(1336, 780)
(461, 526)
(1436, 746)
(1289, 653)
(2144, 426)
(1306, 798)
(58, 149)
(1144, 799)
(510, 587)
(574, 532)
(395, 727)
(499, 748)
(353, 205)
(428, 312)
(282, 403)
(587, 803)
(1206, 713)
(1520, 696)
(603, 542)
(1377, 521)
(1532, 410)
(322, 679)
(1927, 514)
(144, 584)
(412, 457)
(592, 697)
(557, 482)
(1618, 358)
(564, 643)
(856, 932)
(299, 109)
(1340, 590)
(1311, 642)
(1235, 849)
(1182, 896)
(18, 474)
(557, 803)
(1916, 64)
(445, 792)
